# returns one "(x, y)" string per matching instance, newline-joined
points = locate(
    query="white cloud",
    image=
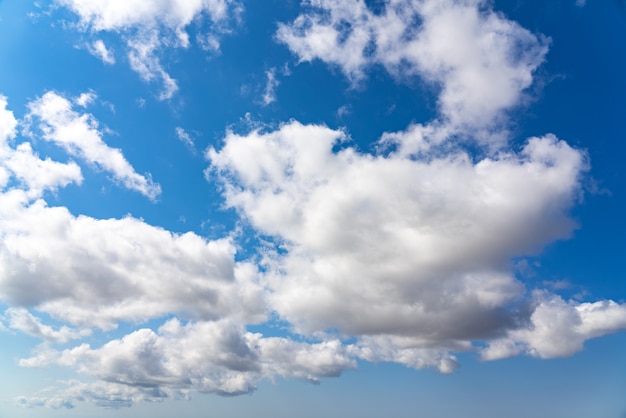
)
(99, 50)
(143, 60)
(407, 253)
(411, 253)
(416, 252)
(269, 95)
(85, 99)
(207, 357)
(407, 351)
(20, 162)
(8, 123)
(321, 35)
(481, 61)
(78, 134)
(209, 43)
(147, 27)
(37, 175)
(101, 272)
(185, 138)
(343, 110)
(288, 358)
(558, 328)
(20, 319)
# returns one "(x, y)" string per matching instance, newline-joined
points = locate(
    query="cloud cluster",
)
(208, 357)
(376, 245)
(147, 27)
(86, 273)
(402, 256)
(97, 272)
(52, 118)
(410, 252)
(558, 328)
(479, 60)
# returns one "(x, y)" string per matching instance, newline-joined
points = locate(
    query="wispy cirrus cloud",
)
(269, 94)
(411, 252)
(147, 28)
(53, 116)
(22, 320)
(99, 50)
(185, 138)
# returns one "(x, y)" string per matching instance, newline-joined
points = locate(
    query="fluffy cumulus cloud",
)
(175, 14)
(99, 50)
(406, 255)
(479, 60)
(146, 27)
(65, 265)
(102, 271)
(559, 328)
(208, 357)
(411, 255)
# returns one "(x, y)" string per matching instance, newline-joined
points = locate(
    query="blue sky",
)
(283, 208)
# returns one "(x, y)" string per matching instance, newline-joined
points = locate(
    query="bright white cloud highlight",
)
(107, 15)
(143, 60)
(8, 123)
(96, 272)
(78, 134)
(37, 175)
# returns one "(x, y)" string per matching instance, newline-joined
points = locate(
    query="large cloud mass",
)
(401, 256)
